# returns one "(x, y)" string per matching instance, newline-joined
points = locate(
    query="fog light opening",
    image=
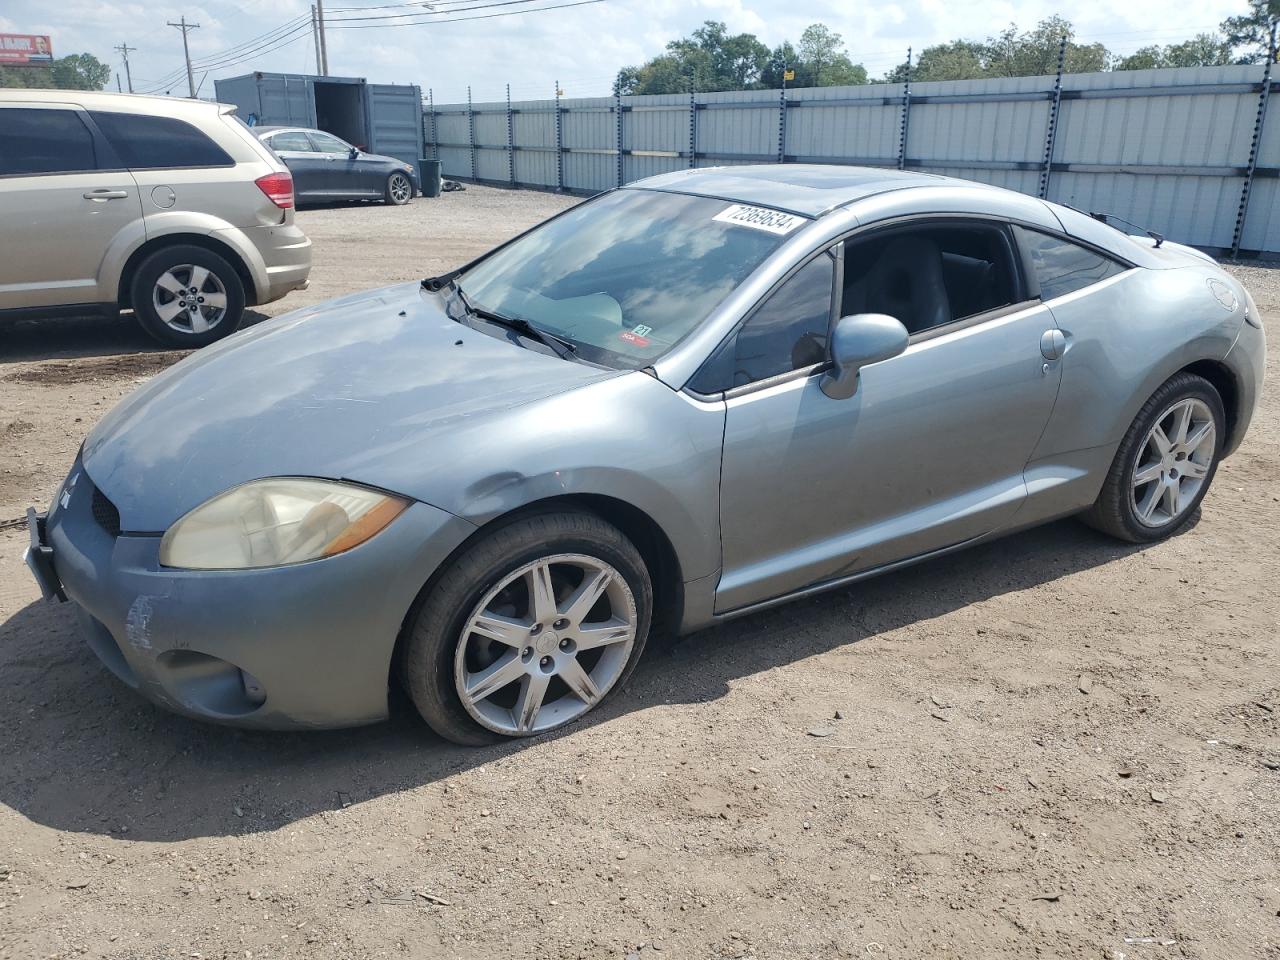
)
(254, 691)
(209, 686)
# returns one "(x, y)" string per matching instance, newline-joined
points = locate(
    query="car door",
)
(64, 201)
(929, 451)
(305, 163)
(345, 176)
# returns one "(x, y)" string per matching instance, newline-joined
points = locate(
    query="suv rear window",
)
(44, 141)
(150, 143)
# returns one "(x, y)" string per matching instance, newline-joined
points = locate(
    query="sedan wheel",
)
(399, 189)
(1174, 462)
(529, 629)
(1165, 463)
(546, 644)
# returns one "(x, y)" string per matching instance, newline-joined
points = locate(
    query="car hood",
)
(385, 159)
(361, 388)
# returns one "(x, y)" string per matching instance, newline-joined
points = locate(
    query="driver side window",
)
(788, 331)
(327, 144)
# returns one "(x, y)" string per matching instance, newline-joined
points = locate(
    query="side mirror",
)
(858, 340)
(355, 152)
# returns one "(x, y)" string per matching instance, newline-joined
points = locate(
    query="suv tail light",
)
(278, 187)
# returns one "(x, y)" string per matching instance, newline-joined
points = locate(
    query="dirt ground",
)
(1054, 745)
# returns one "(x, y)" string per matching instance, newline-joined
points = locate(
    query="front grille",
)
(105, 513)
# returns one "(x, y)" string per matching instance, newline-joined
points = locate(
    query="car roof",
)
(808, 189)
(124, 102)
(812, 190)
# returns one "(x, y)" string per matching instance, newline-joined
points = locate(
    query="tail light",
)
(278, 187)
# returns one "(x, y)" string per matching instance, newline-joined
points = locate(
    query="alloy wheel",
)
(189, 298)
(1173, 462)
(545, 645)
(400, 188)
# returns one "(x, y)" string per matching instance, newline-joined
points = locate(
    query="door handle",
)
(106, 195)
(1053, 344)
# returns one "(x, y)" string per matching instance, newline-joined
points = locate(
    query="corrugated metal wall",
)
(1168, 149)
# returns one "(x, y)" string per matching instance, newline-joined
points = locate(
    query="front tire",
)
(1165, 463)
(399, 189)
(187, 296)
(529, 629)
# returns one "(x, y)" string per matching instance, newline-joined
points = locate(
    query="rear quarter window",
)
(150, 143)
(1064, 267)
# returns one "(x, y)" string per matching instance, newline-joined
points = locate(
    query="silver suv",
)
(170, 207)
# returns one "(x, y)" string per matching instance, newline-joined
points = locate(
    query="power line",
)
(432, 13)
(202, 62)
(485, 16)
(277, 41)
(301, 30)
(271, 34)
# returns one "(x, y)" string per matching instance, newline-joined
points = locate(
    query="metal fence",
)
(1188, 152)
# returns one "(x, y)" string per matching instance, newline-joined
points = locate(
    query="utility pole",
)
(315, 35)
(186, 52)
(324, 47)
(125, 50)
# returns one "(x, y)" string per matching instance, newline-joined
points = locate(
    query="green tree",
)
(783, 57)
(712, 59)
(1249, 36)
(957, 60)
(708, 59)
(824, 61)
(79, 71)
(1035, 53)
(1204, 50)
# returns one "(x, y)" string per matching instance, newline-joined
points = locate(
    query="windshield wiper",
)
(562, 348)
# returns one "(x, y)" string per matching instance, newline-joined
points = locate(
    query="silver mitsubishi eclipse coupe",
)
(681, 401)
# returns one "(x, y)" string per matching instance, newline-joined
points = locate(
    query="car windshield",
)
(628, 275)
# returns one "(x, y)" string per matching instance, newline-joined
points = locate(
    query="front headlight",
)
(269, 523)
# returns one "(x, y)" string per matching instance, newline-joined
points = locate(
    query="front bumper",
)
(308, 645)
(1247, 360)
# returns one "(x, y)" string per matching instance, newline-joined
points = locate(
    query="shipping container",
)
(383, 118)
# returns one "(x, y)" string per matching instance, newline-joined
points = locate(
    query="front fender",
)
(630, 438)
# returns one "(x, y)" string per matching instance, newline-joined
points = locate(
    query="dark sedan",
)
(325, 167)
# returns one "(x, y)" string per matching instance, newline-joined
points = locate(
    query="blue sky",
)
(581, 46)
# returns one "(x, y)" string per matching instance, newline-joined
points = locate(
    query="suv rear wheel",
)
(187, 296)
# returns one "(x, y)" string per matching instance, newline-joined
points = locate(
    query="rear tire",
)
(187, 296)
(399, 189)
(1164, 465)
(569, 656)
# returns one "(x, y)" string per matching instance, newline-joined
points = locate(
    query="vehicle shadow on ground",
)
(85, 754)
(67, 338)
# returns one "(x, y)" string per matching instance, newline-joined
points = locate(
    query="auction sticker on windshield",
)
(759, 218)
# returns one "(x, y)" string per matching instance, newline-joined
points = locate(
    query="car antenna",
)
(1108, 217)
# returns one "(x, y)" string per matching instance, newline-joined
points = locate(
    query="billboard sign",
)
(25, 50)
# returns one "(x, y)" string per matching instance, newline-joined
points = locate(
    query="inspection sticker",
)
(759, 218)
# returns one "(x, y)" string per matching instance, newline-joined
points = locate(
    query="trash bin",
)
(430, 171)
